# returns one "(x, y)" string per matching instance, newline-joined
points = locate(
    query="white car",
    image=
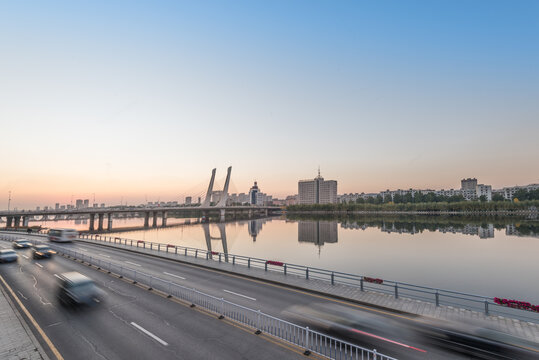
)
(7, 255)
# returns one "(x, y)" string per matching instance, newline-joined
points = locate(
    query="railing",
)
(309, 340)
(397, 289)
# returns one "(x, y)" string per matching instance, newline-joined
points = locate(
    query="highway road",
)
(132, 323)
(391, 337)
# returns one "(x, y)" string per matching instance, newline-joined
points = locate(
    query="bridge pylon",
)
(222, 201)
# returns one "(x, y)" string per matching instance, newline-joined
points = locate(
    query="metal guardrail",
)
(309, 340)
(397, 289)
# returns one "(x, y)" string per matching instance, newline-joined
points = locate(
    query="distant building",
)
(253, 194)
(78, 204)
(509, 192)
(86, 203)
(57, 206)
(188, 200)
(317, 191)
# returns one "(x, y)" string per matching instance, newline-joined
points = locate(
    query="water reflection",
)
(317, 232)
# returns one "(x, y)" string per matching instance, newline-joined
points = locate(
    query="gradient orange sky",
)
(141, 102)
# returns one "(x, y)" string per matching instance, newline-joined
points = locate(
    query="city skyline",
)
(139, 101)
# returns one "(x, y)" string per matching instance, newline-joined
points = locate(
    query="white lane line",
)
(132, 263)
(104, 255)
(58, 276)
(41, 266)
(24, 297)
(162, 342)
(176, 276)
(24, 256)
(245, 296)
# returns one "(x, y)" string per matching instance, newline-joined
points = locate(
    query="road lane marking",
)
(41, 266)
(58, 276)
(24, 297)
(245, 296)
(176, 276)
(104, 255)
(24, 256)
(33, 321)
(162, 342)
(132, 263)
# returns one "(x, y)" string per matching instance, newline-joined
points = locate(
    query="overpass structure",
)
(16, 219)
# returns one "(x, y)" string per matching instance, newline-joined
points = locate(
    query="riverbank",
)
(505, 208)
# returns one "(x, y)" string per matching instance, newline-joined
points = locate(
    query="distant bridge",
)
(15, 218)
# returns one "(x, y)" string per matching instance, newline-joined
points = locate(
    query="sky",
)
(131, 101)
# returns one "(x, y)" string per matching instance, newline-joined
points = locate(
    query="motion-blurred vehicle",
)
(7, 255)
(76, 290)
(63, 235)
(474, 338)
(21, 244)
(42, 252)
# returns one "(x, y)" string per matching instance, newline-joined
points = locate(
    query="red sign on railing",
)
(170, 246)
(140, 242)
(214, 253)
(373, 280)
(276, 263)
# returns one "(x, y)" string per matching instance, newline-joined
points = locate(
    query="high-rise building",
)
(253, 194)
(78, 204)
(317, 191)
(188, 200)
(57, 206)
(86, 203)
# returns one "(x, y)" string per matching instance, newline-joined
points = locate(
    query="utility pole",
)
(9, 200)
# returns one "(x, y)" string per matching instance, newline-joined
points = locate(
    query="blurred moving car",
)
(63, 235)
(7, 255)
(21, 244)
(42, 252)
(474, 338)
(76, 289)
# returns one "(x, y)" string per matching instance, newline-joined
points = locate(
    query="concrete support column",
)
(92, 220)
(17, 221)
(9, 221)
(164, 219)
(154, 224)
(25, 221)
(100, 221)
(147, 219)
(109, 221)
(222, 214)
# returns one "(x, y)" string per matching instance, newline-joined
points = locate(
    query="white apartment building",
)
(509, 192)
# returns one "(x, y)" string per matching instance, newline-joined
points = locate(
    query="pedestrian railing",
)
(309, 340)
(474, 302)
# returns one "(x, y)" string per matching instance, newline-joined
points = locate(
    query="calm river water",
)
(486, 256)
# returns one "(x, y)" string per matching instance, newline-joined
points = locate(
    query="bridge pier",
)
(222, 214)
(154, 223)
(9, 221)
(147, 219)
(109, 221)
(17, 221)
(92, 220)
(164, 219)
(100, 221)
(25, 221)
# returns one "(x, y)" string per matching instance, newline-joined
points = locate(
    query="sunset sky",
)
(139, 100)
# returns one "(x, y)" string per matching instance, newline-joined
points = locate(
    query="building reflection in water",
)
(317, 232)
(255, 226)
